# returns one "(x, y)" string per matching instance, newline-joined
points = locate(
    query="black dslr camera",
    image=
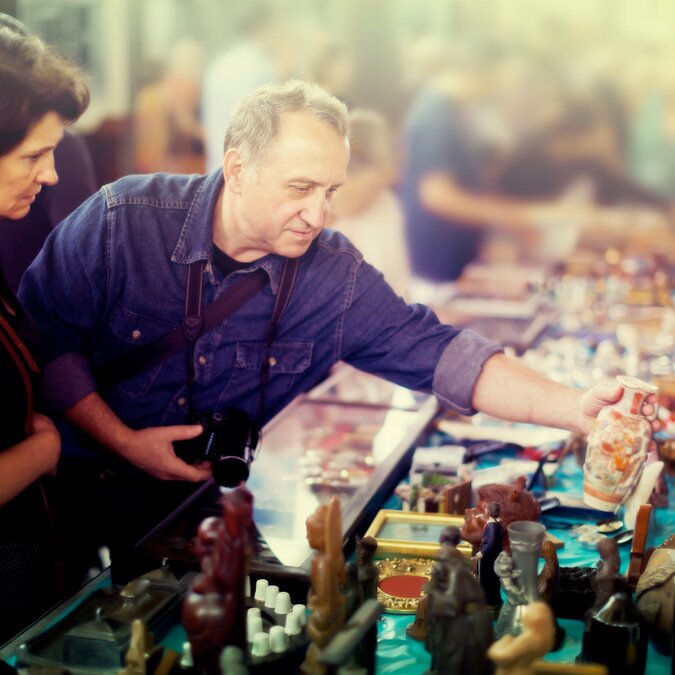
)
(229, 442)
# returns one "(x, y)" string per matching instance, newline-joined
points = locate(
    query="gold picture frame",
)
(412, 534)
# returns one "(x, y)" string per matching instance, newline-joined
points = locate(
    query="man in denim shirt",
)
(113, 277)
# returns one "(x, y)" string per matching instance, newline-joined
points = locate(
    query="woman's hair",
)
(34, 81)
(255, 123)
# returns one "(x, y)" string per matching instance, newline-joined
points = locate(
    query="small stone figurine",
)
(363, 575)
(459, 624)
(490, 548)
(327, 576)
(449, 540)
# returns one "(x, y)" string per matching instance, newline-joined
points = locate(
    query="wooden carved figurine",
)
(327, 576)
(515, 503)
(549, 582)
(213, 611)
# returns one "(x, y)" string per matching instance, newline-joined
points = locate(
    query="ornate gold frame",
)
(401, 566)
(401, 547)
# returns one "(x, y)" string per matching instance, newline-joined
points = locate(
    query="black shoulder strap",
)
(194, 322)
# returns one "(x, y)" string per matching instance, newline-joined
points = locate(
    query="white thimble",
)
(186, 656)
(261, 589)
(278, 639)
(254, 625)
(301, 612)
(271, 596)
(261, 645)
(292, 625)
(283, 603)
(247, 587)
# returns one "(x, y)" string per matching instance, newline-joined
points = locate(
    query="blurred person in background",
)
(448, 178)
(40, 94)
(331, 66)
(168, 133)
(21, 239)
(652, 129)
(261, 56)
(366, 209)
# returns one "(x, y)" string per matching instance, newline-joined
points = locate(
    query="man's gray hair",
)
(256, 120)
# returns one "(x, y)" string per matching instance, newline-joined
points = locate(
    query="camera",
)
(229, 442)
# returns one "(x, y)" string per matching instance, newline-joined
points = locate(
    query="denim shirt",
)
(112, 276)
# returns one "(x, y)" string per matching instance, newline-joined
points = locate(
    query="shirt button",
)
(181, 401)
(202, 360)
(135, 334)
(272, 361)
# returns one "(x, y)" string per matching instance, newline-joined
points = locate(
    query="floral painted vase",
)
(617, 447)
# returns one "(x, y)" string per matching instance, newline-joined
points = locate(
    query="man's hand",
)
(602, 395)
(152, 451)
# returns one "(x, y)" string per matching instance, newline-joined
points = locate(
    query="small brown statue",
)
(214, 610)
(327, 576)
(515, 503)
(606, 582)
(549, 582)
(514, 655)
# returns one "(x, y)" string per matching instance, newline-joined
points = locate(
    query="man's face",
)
(29, 166)
(281, 206)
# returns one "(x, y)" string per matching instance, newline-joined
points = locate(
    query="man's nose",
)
(314, 213)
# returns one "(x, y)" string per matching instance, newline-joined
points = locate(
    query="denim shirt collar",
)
(196, 238)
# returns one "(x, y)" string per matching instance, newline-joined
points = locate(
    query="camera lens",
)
(229, 471)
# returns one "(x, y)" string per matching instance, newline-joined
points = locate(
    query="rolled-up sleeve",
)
(67, 380)
(458, 369)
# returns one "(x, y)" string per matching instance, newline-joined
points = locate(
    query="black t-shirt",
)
(225, 264)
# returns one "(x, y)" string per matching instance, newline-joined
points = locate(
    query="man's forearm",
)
(92, 415)
(508, 389)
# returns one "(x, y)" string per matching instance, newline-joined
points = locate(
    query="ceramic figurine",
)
(459, 620)
(490, 548)
(514, 655)
(655, 595)
(526, 539)
(617, 447)
(515, 503)
(327, 576)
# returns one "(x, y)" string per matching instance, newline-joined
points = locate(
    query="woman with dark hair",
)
(40, 94)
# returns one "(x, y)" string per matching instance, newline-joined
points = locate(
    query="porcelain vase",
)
(617, 447)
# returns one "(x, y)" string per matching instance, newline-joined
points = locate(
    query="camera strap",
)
(195, 322)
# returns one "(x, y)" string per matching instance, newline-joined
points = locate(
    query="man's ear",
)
(232, 168)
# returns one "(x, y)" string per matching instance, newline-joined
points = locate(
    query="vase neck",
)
(631, 401)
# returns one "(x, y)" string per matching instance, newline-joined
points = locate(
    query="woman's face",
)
(29, 166)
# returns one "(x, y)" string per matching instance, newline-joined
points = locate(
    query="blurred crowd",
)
(509, 141)
(504, 146)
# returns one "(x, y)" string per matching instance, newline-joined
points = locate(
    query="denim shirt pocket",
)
(137, 329)
(286, 359)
